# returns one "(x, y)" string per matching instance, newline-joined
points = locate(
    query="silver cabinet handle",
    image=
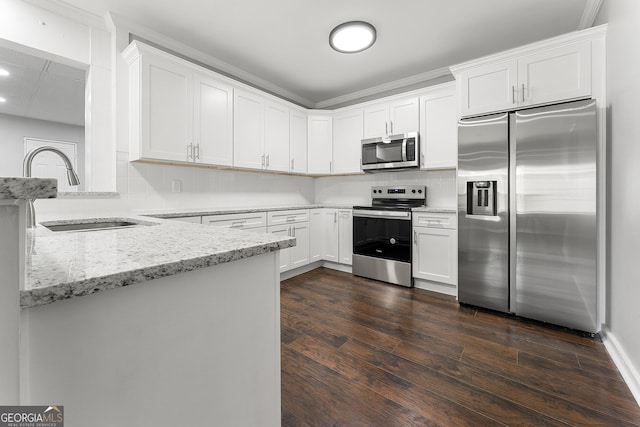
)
(294, 231)
(513, 94)
(522, 92)
(267, 160)
(415, 238)
(335, 217)
(197, 148)
(292, 164)
(262, 162)
(391, 126)
(386, 128)
(330, 166)
(189, 151)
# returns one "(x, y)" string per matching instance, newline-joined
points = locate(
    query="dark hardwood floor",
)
(357, 352)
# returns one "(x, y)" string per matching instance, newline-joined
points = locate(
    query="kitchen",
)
(148, 187)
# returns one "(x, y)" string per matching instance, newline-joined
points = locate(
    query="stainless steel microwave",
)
(393, 152)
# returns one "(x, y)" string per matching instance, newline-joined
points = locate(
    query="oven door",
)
(382, 234)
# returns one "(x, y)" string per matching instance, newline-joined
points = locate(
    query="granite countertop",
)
(63, 265)
(173, 213)
(28, 188)
(429, 209)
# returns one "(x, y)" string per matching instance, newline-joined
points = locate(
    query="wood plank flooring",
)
(357, 352)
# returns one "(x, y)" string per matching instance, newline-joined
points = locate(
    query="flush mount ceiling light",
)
(352, 37)
(3, 72)
(2, 99)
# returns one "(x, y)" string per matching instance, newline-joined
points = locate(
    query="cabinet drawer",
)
(435, 220)
(287, 217)
(238, 221)
(193, 219)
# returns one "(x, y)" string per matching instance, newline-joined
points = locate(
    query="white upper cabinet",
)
(551, 71)
(276, 136)
(213, 121)
(320, 134)
(560, 73)
(347, 136)
(161, 99)
(488, 88)
(390, 118)
(261, 133)
(248, 130)
(297, 141)
(439, 128)
(177, 113)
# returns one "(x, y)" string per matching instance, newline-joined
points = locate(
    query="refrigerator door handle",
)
(512, 213)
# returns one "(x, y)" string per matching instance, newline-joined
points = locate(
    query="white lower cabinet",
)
(435, 250)
(291, 223)
(345, 236)
(256, 221)
(316, 231)
(332, 235)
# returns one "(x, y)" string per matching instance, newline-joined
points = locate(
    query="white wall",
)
(14, 129)
(623, 87)
(356, 190)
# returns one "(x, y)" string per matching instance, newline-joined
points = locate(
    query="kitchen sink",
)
(95, 225)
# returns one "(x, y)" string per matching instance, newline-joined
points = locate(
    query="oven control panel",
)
(399, 192)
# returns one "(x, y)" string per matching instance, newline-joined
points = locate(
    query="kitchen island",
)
(163, 323)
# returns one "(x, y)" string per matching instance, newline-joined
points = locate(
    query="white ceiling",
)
(41, 89)
(281, 46)
(285, 42)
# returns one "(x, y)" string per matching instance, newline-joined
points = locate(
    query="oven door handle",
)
(366, 213)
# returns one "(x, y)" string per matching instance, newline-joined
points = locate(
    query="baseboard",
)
(300, 270)
(622, 361)
(335, 266)
(442, 288)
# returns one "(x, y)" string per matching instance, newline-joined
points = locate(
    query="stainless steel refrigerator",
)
(527, 189)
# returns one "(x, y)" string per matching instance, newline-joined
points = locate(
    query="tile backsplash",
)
(356, 189)
(145, 187)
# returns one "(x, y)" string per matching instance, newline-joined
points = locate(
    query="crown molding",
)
(188, 53)
(77, 14)
(386, 87)
(589, 14)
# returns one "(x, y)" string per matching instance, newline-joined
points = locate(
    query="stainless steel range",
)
(382, 233)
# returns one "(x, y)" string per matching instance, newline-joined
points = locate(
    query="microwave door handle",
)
(404, 149)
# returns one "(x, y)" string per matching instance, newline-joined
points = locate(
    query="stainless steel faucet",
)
(72, 176)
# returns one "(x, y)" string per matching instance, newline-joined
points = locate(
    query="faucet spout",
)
(72, 176)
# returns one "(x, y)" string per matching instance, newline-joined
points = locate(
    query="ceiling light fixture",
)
(3, 72)
(2, 99)
(352, 37)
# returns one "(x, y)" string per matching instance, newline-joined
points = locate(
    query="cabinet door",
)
(488, 88)
(299, 254)
(376, 120)
(347, 137)
(555, 74)
(276, 137)
(345, 236)
(212, 121)
(316, 234)
(297, 141)
(435, 254)
(404, 116)
(248, 130)
(285, 254)
(320, 147)
(330, 235)
(167, 110)
(439, 129)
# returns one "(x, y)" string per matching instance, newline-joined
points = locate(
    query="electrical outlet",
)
(176, 186)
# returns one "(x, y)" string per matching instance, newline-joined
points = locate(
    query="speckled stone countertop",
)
(63, 265)
(223, 211)
(28, 188)
(435, 210)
